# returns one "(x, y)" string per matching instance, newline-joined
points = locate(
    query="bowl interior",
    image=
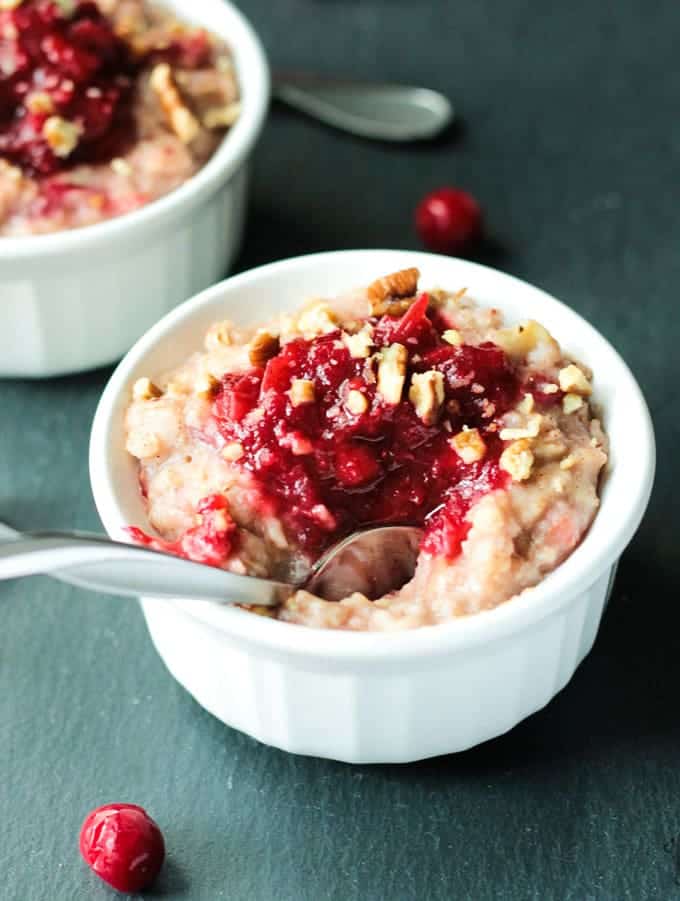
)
(253, 296)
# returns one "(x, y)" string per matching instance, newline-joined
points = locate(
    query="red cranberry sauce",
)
(327, 470)
(210, 541)
(79, 70)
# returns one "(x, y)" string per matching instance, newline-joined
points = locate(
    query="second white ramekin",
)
(79, 299)
(376, 698)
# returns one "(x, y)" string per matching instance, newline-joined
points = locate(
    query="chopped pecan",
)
(427, 394)
(530, 430)
(573, 380)
(263, 347)
(61, 135)
(519, 340)
(232, 451)
(301, 392)
(390, 307)
(517, 459)
(570, 461)
(453, 336)
(527, 404)
(183, 122)
(144, 389)
(121, 167)
(395, 285)
(571, 403)
(317, 319)
(469, 445)
(359, 344)
(40, 103)
(356, 402)
(392, 372)
(394, 293)
(206, 386)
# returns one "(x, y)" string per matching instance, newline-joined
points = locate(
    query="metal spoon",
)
(385, 112)
(374, 562)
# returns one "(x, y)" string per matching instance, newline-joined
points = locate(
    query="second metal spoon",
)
(385, 112)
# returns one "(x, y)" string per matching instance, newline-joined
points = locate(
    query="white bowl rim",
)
(235, 147)
(576, 574)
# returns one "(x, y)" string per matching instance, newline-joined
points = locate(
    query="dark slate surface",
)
(570, 138)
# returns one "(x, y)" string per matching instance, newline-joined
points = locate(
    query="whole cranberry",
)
(123, 846)
(449, 220)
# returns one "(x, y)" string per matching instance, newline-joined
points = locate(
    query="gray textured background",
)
(570, 139)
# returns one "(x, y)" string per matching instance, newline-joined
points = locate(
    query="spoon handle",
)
(385, 112)
(111, 567)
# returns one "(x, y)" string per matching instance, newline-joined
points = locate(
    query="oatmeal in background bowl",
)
(106, 106)
(387, 405)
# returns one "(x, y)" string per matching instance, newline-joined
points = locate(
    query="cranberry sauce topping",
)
(346, 456)
(66, 82)
(210, 541)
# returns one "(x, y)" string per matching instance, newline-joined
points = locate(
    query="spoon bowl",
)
(373, 562)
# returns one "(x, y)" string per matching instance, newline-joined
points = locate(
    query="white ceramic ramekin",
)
(79, 299)
(368, 698)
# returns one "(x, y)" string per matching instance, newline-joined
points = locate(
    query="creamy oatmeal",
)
(104, 107)
(383, 406)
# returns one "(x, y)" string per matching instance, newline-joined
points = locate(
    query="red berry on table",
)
(449, 220)
(123, 846)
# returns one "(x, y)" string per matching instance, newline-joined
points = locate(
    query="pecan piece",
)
(263, 347)
(469, 445)
(144, 389)
(453, 337)
(301, 392)
(530, 430)
(317, 319)
(392, 372)
(356, 402)
(394, 293)
(518, 460)
(233, 451)
(571, 403)
(395, 285)
(427, 394)
(206, 386)
(61, 135)
(359, 345)
(183, 122)
(573, 380)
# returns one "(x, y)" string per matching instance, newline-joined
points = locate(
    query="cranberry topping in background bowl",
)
(394, 696)
(124, 144)
(67, 79)
(101, 113)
